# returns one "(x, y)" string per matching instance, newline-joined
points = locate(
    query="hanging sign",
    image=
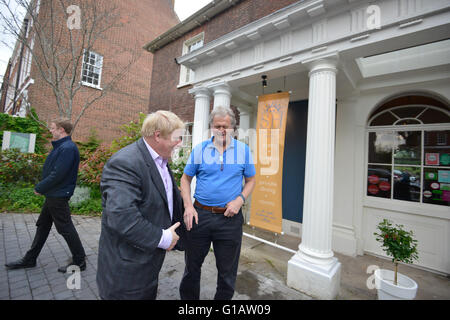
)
(266, 207)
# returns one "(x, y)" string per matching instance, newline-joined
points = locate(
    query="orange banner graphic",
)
(266, 206)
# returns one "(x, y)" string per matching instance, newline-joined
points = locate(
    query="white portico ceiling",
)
(308, 30)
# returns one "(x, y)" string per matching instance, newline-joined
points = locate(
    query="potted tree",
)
(402, 247)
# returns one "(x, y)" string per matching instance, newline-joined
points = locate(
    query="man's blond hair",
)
(164, 121)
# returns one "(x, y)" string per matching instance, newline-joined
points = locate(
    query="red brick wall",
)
(140, 20)
(166, 72)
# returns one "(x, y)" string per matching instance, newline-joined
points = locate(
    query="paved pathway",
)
(44, 282)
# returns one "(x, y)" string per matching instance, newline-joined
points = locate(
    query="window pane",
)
(379, 181)
(408, 147)
(436, 187)
(407, 183)
(405, 122)
(434, 116)
(437, 148)
(384, 119)
(408, 112)
(380, 147)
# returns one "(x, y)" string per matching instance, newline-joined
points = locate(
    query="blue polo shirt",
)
(216, 187)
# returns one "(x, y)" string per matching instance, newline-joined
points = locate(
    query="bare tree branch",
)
(58, 51)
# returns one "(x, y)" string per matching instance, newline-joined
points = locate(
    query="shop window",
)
(409, 157)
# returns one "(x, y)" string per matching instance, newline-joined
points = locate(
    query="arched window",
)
(409, 151)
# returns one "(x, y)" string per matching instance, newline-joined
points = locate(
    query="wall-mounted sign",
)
(25, 142)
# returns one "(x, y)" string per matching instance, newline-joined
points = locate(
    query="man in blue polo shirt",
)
(220, 165)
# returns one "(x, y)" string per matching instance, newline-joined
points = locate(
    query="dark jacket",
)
(59, 175)
(135, 211)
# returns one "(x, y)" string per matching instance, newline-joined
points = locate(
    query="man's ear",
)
(157, 135)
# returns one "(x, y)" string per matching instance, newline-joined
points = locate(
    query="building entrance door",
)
(294, 161)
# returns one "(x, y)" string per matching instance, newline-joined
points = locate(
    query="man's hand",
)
(233, 207)
(38, 194)
(190, 213)
(175, 236)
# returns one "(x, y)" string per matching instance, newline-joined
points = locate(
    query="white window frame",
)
(187, 75)
(100, 67)
(187, 136)
(396, 128)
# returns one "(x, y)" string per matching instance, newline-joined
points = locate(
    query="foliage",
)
(132, 132)
(16, 166)
(88, 147)
(397, 243)
(89, 206)
(29, 124)
(178, 163)
(90, 171)
(19, 197)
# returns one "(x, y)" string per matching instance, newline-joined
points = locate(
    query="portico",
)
(316, 50)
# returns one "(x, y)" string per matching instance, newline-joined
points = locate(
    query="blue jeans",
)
(226, 236)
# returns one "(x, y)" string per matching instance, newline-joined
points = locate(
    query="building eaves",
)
(197, 19)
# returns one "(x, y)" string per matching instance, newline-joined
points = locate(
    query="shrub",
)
(88, 147)
(19, 197)
(16, 166)
(90, 171)
(132, 133)
(89, 206)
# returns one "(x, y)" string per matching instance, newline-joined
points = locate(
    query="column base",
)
(319, 281)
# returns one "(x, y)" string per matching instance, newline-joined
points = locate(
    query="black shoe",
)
(81, 265)
(21, 263)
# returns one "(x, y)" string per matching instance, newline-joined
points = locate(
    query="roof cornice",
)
(197, 19)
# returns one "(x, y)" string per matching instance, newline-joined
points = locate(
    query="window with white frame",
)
(409, 154)
(91, 70)
(187, 136)
(192, 44)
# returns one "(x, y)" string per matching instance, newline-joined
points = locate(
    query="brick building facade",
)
(137, 21)
(166, 91)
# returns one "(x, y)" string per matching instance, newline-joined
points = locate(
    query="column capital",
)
(323, 63)
(200, 92)
(221, 87)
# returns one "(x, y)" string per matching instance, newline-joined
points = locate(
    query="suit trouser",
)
(56, 210)
(226, 235)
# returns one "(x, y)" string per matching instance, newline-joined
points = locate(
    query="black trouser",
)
(56, 210)
(226, 235)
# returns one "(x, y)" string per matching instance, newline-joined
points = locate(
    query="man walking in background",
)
(59, 177)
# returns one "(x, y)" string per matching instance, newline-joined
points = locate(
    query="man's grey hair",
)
(222, 112)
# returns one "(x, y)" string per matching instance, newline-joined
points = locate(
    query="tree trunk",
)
(395, 273)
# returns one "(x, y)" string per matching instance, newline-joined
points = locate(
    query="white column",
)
(313, 269)
(244, 126)
(222, 94)
(200, 130)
